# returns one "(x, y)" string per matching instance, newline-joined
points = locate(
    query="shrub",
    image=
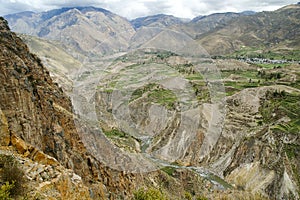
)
(149, 194)
(5, 191)
(201, 198)
(12, 174)
(169, 170)
(188, 196)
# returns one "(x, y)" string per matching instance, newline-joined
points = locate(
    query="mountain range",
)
(94, 106)
(93, 30)
(82, 28)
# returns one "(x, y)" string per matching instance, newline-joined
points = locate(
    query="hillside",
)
(173, 117)
(159, 116)
(203, 24)
(38, 127)
(91, 31)
(274, 31)
(87, 30)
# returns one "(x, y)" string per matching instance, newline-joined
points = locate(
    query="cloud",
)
(138, 8)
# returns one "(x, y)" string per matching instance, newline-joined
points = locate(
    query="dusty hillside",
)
(203, 24)
(270, 30)
(258, 147)
(88, 30)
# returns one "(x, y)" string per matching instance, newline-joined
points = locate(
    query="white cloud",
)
(137, 8)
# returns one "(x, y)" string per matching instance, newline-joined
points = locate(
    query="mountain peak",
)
(158, 20)
(49, 14)
(85, 9)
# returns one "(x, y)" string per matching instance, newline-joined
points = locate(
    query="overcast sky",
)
(138, 8)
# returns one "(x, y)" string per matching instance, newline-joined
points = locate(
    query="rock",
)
(45, 159)
(76, 178)
(39, 116)
(4, 132)
(19, 144)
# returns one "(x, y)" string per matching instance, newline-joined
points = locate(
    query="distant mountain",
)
(248, 12)
(275, 29)
(204, 24)
(159, 20)
(88, 30)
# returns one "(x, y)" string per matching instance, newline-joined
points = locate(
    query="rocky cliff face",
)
(36, 116)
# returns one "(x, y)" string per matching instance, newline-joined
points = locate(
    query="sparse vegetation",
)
(149, 194)
(164, 55)
(188, 196)
(12, 175)
(201, 198)
(163, 97)
(156, 94)
(247, 74)
(256, 52)
(169, 170)
(279, 104)
(5, 191)
(140, 91)
(272, 66)
(292, 150)
(121, 139)
(114, 133)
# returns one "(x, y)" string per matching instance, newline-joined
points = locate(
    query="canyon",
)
(94, 106)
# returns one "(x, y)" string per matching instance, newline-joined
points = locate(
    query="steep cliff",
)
(36, 116)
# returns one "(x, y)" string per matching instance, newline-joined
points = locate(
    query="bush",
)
(149, 194)
(12, 174)
(188, 196)
(201, 198)
(5, 191)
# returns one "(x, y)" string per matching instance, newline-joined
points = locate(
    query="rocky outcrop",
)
(37, 119)
(48, 180)
(5, 136)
